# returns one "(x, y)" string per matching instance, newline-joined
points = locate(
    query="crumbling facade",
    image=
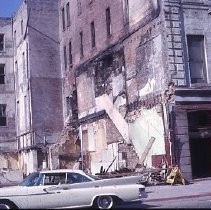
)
(138, 80)
(115, 53)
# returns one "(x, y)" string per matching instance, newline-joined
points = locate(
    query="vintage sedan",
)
(66, 188)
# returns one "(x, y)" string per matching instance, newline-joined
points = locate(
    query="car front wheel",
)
(4, 205)
(105, 202)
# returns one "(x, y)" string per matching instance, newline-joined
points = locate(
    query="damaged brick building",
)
(142, 81)
(135, 83)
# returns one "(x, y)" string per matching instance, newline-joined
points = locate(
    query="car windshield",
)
(31, 179)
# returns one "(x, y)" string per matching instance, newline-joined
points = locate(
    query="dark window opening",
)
(15, 38)
(93, 33)
(63, 19)
(2, 114)
(23, 61)
(70, 54)
(65, 57)
(21, 27)
(199, 129)
(68, 105)
(68, 13)
(81, 45)
(196, 58)
(2, 74)
(79, 7)
(108, 21)
(1, 42)
(126, 11)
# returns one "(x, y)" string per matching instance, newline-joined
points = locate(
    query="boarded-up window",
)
(1, 42)
(2, 74)
(196, 58)
(2, 114)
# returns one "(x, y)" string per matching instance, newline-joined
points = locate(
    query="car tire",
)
(5, 205)
(105, 202)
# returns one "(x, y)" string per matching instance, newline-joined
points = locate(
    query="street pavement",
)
(197, 188)
(196, 194)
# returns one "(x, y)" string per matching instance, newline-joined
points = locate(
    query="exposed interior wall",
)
(148, 124)
(142, 11)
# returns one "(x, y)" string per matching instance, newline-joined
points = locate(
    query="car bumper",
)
(142, 193)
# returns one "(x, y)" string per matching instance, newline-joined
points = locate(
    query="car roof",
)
(62, 171)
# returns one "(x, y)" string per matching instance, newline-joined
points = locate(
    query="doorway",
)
(199, 126)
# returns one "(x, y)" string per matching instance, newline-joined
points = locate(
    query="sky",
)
(8, 7)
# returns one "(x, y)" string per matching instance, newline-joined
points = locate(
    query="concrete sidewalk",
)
(170, 192)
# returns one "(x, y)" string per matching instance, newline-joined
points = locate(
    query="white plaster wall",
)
(104, 157)
(28, 161)
(140, 10)
(102, 154)
(148, 124)
(85, 95)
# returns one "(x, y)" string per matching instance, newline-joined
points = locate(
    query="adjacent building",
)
(37, 81)
(7, 96)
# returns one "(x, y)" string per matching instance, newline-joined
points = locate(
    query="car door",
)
(41, 197)
(81, 190)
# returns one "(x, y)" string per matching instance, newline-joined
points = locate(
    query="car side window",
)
(54, 178)
(76, 178)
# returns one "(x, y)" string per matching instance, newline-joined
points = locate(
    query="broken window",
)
(65, 57)
(108, 21)
(2, 114)
(1, 42)
(81, 44)
(93, 33)
(126, 11)
(70, 54)
(2, 74)
(63, 19)
(196, 58)
(79, 7)
(68, 13)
